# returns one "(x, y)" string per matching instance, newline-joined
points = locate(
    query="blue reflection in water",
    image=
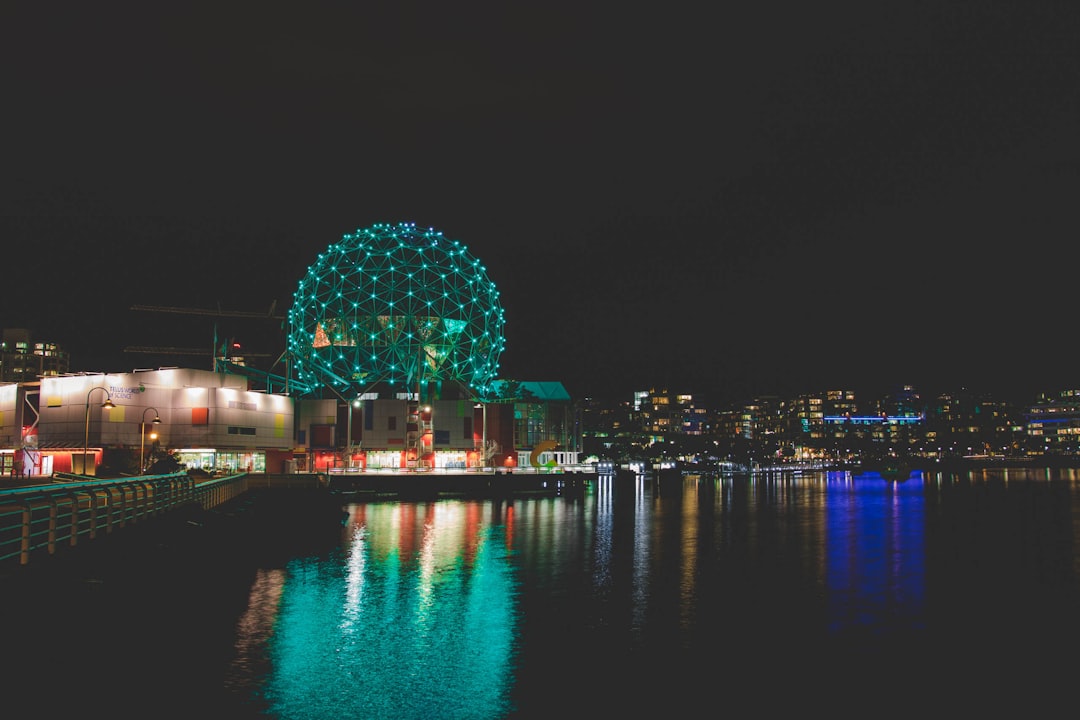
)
(415, 618)
(875, 554)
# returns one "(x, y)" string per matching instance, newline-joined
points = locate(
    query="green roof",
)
(548, 391)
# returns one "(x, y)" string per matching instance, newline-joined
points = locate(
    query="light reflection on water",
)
(875, 564)
(414, 616)
(490, 609)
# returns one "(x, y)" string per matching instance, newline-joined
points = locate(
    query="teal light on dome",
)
(395, 304)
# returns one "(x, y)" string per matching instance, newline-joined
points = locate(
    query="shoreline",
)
(964, 465)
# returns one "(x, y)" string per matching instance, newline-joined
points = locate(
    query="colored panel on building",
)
(322, 435)
(200, 416)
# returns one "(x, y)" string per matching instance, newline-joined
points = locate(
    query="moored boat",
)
(892, 469)
(897, 472)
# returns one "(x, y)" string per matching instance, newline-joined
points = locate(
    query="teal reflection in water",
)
(413, 618)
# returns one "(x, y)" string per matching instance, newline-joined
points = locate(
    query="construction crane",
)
(212, 312)
(214, 352)
(152, 350)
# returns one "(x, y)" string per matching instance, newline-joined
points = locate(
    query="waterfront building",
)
(208, 421)
(965, 423)
(763, 417)
(1052, 424)
(695, 419)
(808, 413)
(608, 428)
(662, 414)
(880, 429)
(384, 431)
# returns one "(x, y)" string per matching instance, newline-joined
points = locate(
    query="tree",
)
(512, 390)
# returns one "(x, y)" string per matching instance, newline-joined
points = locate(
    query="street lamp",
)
(142, 440)
(108, 405)
(483, 432)
(348, 440)
(428, 431)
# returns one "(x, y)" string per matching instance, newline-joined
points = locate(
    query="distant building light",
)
(873, 419)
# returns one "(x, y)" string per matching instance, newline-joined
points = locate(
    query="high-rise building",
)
(24, 360)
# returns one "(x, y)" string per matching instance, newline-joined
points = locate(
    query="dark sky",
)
(738, 199)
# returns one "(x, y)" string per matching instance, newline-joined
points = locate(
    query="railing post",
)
(93, 513)
(138, 492)
(24, 544)
(123, 505)
(110, 510)
(136, 504)
(53, 513)
(73, 499)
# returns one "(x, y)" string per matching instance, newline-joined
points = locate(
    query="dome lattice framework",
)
(394, 304)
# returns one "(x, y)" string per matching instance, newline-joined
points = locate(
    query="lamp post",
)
(142, 439)
(348, 432)
(428, 431)
(483, 432)
(108, 405)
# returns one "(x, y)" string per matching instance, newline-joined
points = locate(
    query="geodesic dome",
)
(395, 304)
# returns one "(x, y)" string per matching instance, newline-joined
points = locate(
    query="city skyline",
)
(739, 200)
(628, 395)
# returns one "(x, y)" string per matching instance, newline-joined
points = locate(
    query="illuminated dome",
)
(398, 305)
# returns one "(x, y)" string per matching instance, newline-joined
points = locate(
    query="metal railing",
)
(42, 518)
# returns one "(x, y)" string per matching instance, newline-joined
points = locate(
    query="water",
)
(827, 592)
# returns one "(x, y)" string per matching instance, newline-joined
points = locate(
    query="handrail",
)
(42, 518)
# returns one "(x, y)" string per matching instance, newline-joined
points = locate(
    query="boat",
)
(895, 472)
(890, 468)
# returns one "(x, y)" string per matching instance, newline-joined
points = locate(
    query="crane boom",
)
(182, 351)
(215, 313)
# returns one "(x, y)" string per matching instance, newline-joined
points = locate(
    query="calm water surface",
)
(744, 594)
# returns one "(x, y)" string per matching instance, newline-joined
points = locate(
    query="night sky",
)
(731, 200)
